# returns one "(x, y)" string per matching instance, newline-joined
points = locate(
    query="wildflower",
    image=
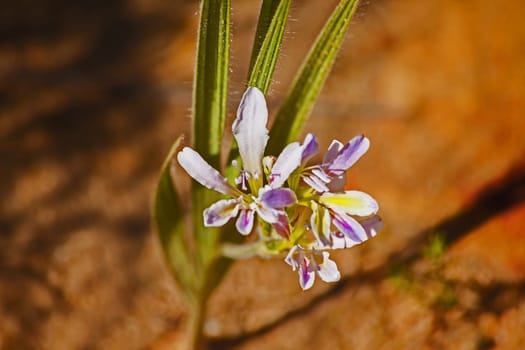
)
(306, 205)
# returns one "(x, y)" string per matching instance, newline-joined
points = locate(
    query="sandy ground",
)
(92, 93)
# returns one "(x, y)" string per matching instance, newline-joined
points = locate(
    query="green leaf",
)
(267, 42)
(308, 83)
(209, 111)
(211, 79)
(266, 45)
(168, 219)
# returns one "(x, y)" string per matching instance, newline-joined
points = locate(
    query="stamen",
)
(242, 179)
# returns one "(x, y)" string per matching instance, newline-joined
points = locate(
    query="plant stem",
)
(196, 330)
(240, 251)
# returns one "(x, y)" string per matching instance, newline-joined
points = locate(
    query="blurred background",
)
(92, 93)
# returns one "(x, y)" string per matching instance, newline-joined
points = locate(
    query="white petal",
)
(350, 202)
(341, 241)
(292, 258)
(327, 222)
(203, 173)
(268, 214)
(219, 213)
(244, 223)
(319, 224)
(286, 163)
(249, 129)
(327, 270)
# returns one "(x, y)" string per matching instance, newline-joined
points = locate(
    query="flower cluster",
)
(298, 211)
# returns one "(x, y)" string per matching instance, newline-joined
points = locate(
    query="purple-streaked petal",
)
(327, 270)
(244, 223)
(350, 227)
(341, 241)
(372, 225)
(270, 215)
(219, 213)
(282, 225)
(348, 155)
(277, 197)
(276, 217)
(310, 147)
(316, 183)
(350, 202)
(249, 130)
(306, 274)
(332, 152)
(286, 163)
(203, 173)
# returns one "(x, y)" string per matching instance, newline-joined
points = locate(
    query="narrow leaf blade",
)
(211, 79)
(267, 42)
(310, 79)
(209, 111)
(168, 220)
(266, 46)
